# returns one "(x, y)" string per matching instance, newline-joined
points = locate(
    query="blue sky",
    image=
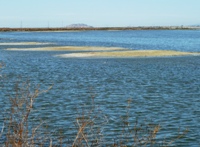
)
(99, 13)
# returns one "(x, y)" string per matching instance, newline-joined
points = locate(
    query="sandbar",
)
(68, 48)
(134, 53)
(113, 52)
(24, 43)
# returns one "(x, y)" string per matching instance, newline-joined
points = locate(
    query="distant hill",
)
(79, 25)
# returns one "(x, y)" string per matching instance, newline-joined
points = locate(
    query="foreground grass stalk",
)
(81, 131)
(18, 128)
(90, 122)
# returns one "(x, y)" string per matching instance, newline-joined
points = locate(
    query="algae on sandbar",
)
(94, 51)
(133, 53)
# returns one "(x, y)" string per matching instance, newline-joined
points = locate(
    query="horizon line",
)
(98, 28)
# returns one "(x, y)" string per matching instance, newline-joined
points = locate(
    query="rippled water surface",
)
(165, 90)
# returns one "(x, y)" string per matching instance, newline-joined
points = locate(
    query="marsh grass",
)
(89, 128)
(20, 131)
(135, 133)
(143, 133)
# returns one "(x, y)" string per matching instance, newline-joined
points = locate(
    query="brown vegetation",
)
(20, 132)
(100, 28)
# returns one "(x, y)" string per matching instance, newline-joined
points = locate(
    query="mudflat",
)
(115, 52)
(134, 53)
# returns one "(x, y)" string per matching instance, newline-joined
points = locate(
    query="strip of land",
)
(128, 54)
(101, 28)
(68, 48)
(24, 43)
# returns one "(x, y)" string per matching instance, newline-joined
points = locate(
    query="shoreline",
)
(65, 29)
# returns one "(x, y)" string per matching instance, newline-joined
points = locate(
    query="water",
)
(165, 89)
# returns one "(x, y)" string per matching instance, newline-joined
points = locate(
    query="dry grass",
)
(90, 123)
(19, 130)
(134, 53)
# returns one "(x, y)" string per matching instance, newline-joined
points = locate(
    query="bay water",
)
(162, 90)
